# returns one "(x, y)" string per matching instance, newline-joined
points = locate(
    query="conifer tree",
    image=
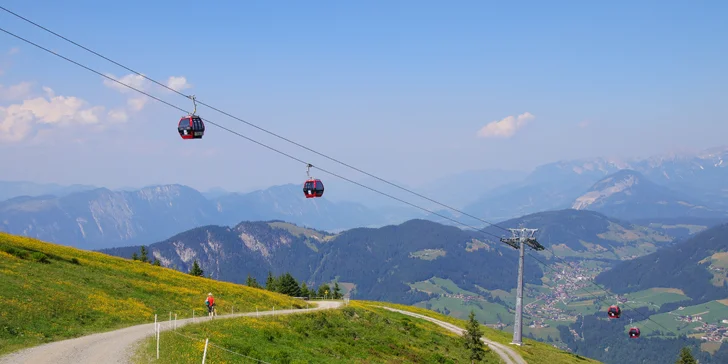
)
(157, 263)
(472, 341)
(143, 256)
(686, 357)
(134, 256)
(252, 282)
(337, 291)
(196, 270)
(289, 286)
(304, 290)
(270, 282)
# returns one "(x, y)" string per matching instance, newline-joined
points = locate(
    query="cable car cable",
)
(256, 126)
(293, 157)
(247, 138)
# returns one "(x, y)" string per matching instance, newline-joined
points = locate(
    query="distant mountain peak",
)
(619, 182)
(628, 194)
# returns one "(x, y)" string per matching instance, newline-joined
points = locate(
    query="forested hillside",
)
(607, 341)
(696, 266)
(378, 262)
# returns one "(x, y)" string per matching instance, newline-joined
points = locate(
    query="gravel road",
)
(117, 346)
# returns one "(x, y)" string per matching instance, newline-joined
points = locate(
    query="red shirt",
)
(211, 300)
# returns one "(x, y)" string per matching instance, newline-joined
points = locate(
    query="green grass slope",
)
(50, 292)
(534, 352)
(358, 333)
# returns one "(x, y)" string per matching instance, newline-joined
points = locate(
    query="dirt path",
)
(117, 346)
(506, 353)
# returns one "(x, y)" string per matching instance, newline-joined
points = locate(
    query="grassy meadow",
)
(51, 292)
(534, 352)
(358, 333)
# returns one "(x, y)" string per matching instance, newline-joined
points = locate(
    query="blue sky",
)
(380, 85)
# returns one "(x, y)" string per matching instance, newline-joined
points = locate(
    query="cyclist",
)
(210, 303)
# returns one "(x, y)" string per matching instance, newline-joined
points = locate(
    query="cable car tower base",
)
(519, 239)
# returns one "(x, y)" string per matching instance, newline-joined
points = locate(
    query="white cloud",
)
(18, 121)
(178, 83)
(15, 92)
(14, 50)
(506, 127)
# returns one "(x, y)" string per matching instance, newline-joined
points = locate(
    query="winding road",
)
(118, 346)
(506, 353)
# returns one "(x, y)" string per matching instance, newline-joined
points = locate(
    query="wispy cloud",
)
(4, 62)
(136, 101)
(505, 128)
(19, 91)
(585, 124)
(132, 80)
(118, 115)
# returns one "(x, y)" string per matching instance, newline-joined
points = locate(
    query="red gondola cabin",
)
(313, 188)
(191, 127)
(634, 333)
(614, 312)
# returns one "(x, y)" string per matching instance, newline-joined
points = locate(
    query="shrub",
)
(40, 258)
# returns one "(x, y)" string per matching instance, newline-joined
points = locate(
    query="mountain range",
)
(382, 262)
(655, 188)
(378, 263)
(627, 194)
(10, 189)
(99, 218)
(701, 176)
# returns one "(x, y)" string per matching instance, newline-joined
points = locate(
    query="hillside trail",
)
(508, 355)
(118, 346)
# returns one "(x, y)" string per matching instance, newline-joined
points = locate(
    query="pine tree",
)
(134, 256)
(157, 263)
(304, 290)
(196, 270)
(472, 341)
(686, 357)
(270, 282)
(337, 291)
(143, 256)
(288, 285)
(252, 282)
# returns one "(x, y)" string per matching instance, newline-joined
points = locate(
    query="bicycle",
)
(212, 311)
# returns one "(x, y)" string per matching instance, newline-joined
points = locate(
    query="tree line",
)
(286, 284)
(143, 256)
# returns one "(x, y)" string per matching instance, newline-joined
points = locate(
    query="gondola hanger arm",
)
(194, 102)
